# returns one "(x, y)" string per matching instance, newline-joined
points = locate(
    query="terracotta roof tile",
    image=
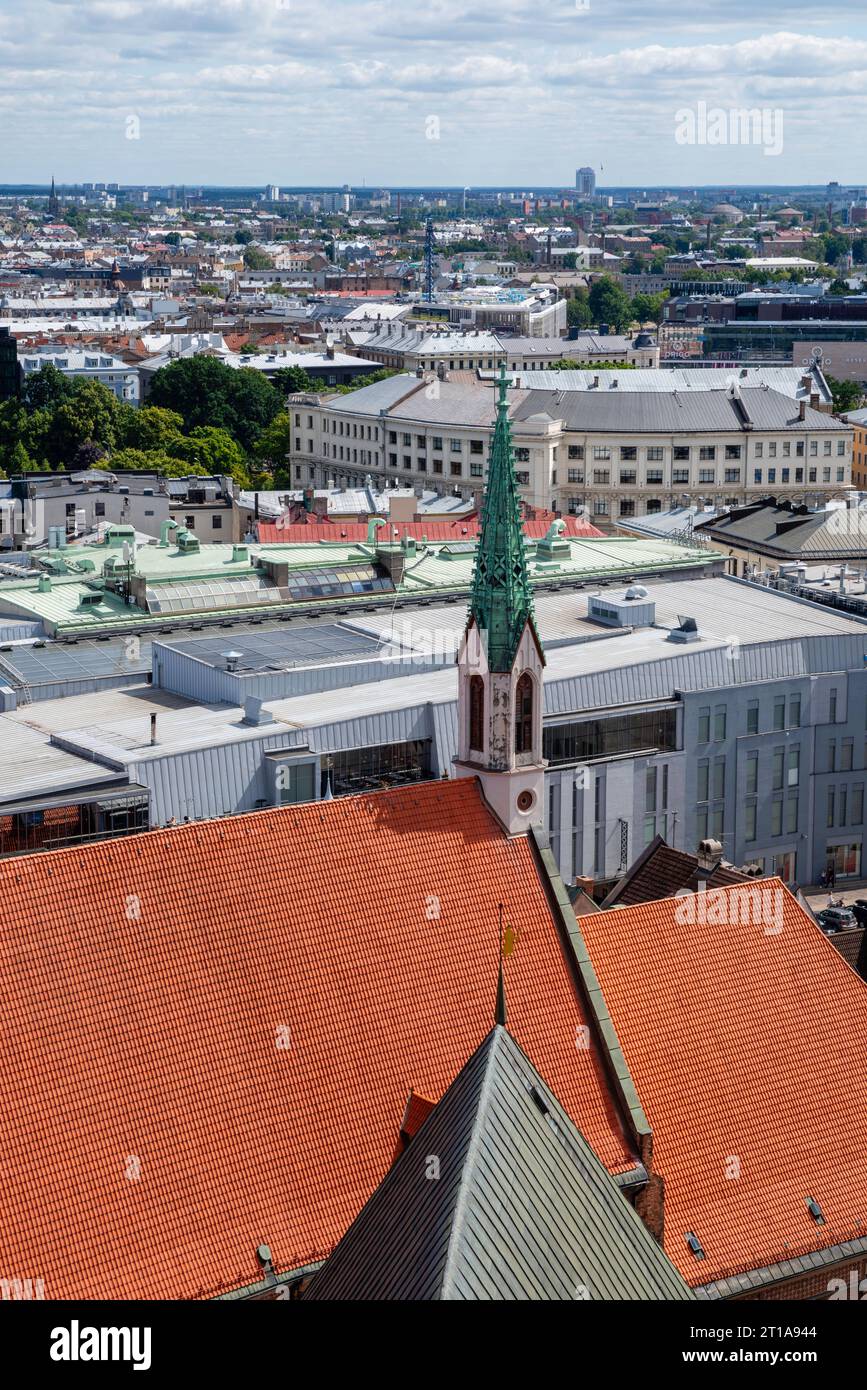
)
(744, 1045)
(234, 1013)
(280, 532)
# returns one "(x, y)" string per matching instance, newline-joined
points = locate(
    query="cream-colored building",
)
(612, 454)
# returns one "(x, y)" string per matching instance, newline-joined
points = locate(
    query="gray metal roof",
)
(521, 1209)
(788, 381)
(677, 412)
(835, 533)
(282, 648)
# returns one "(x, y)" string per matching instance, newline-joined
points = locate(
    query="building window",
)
(779, 713)
(753, 717)
(707, 453)
(655, 455)
(477, 713)
(795, 712)
(628, 453)
(706, 475)
(704, 724)
(217, 523)
(752, 782)
(524, 714)
(719, 724)
(750, 821)
(794, 770)
(832, 706)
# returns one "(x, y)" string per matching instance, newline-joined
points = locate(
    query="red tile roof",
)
(284, 533)
(237, 1011)
(748, 1046)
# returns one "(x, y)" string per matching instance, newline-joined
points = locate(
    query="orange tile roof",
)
(280, 532)
(146, 984)
(749, 1046)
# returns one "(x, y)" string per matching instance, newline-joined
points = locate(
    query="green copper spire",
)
(502, 600)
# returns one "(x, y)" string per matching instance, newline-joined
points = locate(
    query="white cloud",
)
(525, 89)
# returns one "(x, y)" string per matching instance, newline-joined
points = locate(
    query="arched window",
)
(524, 714)
(477, 713)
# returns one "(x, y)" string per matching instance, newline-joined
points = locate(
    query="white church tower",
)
(501, 661)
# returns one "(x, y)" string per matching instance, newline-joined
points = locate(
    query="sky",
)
(402, 92)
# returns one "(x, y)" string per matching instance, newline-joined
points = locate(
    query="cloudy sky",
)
(486, 92)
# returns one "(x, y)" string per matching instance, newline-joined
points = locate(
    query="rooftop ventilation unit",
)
(630, 609)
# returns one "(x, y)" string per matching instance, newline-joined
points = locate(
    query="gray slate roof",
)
(834, 534)
(522, 1208)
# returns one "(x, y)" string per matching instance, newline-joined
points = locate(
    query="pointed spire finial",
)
(502, 601)
(500, 1010)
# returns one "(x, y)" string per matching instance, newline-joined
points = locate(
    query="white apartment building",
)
(612, 455)
(120, 378)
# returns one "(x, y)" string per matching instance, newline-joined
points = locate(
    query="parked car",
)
(834, 919)
(859, 907)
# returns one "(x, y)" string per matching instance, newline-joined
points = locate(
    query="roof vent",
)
(254, 714)
(695, 1245)
(231, 659)
(815, 1211)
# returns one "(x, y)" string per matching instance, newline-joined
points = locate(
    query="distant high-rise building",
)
(272, 193)
(585, 182)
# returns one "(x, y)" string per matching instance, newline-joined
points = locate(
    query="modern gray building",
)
(696, 708)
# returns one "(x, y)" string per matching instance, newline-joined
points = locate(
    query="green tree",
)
(89, 417)
(205, 391)
(648, 307)
(46, 388)
(610, 304)
(257, 259)
(578, 311)
(288, 380)
(210, 450)
(150, 427)
(847, 395)
(273, 444)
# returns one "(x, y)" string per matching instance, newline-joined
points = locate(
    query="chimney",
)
(710, 853)
(153, 729)
(802, 409)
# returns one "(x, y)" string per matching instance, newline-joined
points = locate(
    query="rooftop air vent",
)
(695, 1245)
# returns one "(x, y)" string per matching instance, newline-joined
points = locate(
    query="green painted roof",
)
(435, 569)
(501, 602)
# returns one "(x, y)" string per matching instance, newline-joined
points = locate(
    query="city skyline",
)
(252, 91)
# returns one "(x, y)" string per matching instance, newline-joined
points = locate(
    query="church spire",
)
(502, 601)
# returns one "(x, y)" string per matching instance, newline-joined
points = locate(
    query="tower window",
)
(477, 713)
(524, 714)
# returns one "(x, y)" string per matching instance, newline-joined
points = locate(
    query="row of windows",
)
(785, 714)
(477, 446)
(786, 475)
(845, 806)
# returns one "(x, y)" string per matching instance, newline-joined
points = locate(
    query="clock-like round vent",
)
(526, 801)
